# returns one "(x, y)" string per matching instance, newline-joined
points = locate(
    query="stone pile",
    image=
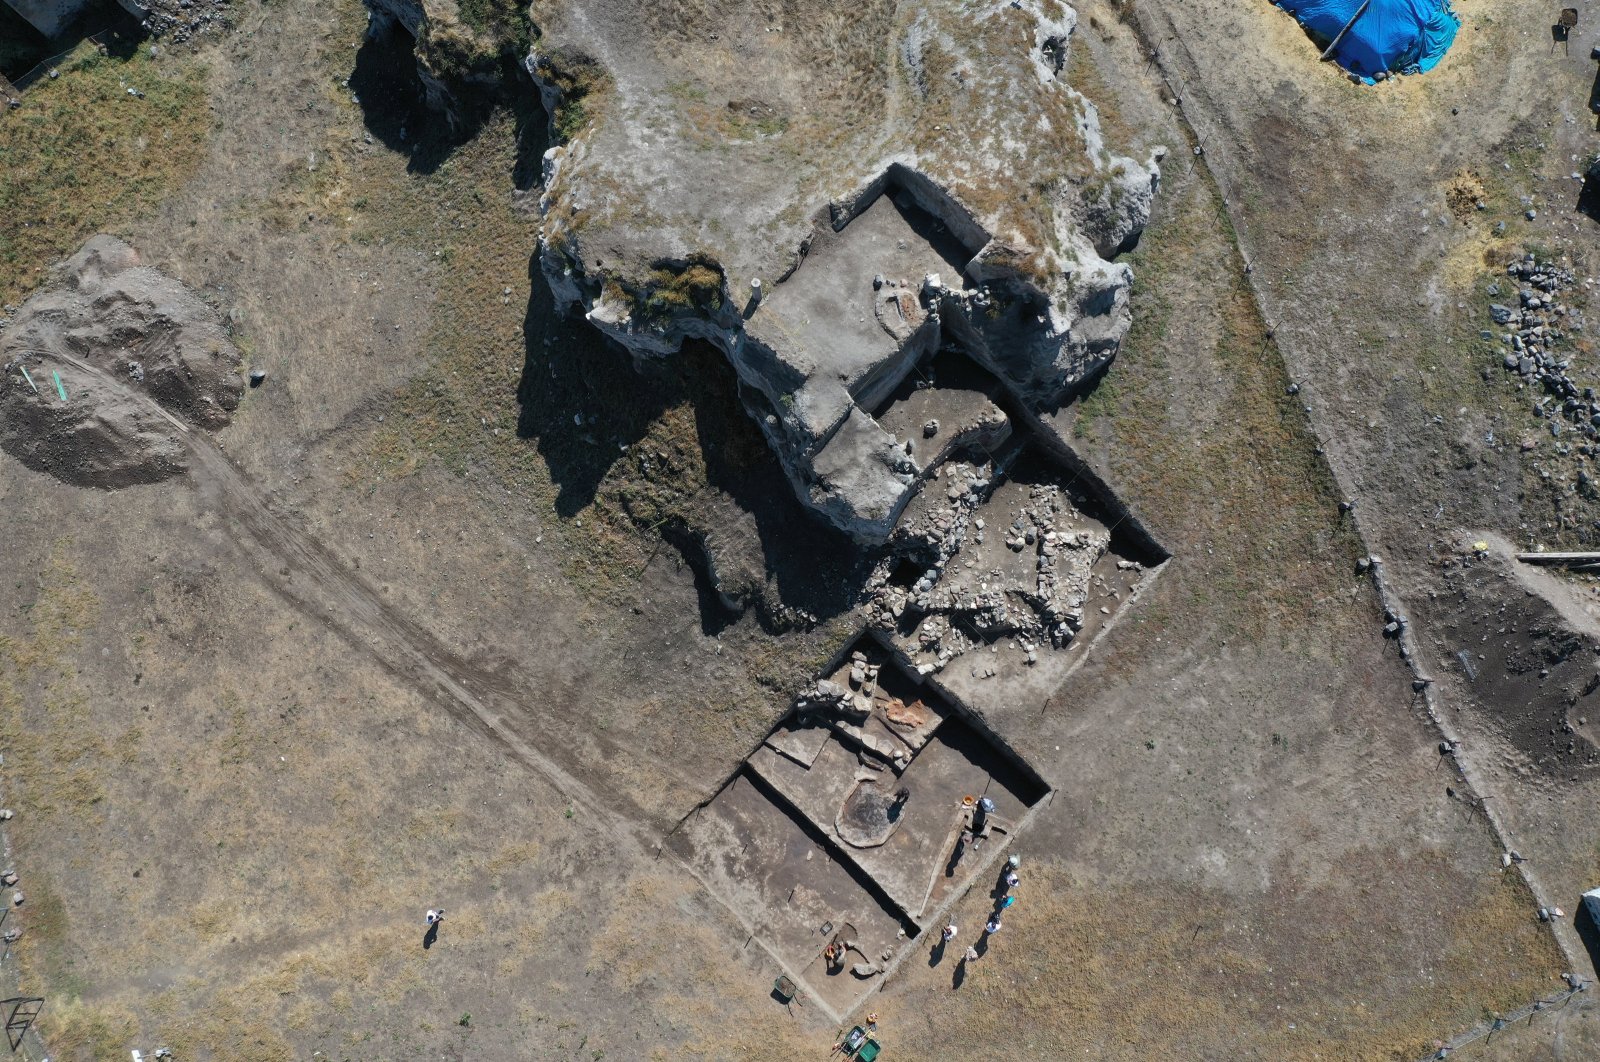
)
(1036, 604)
(179, 20)
(831, 700)
(846, 709)
(1532, 328)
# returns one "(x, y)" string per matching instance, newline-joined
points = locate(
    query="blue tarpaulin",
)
(1397, 36)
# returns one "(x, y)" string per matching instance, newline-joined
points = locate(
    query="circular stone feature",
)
(870, 813)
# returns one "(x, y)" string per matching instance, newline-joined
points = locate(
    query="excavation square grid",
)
(856, 834)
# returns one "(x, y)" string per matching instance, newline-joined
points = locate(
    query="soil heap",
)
(101, 371)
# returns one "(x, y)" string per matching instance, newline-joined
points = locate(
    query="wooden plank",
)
(1559, 558)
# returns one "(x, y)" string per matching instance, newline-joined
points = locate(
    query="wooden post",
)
(1359, 12)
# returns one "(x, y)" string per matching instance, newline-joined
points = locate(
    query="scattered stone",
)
(930, 429)
(257, 377)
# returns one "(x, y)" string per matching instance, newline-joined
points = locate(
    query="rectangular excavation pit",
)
(1006, 678)
(780, 845)
(828, 308)
(784, 878)
(912, 865)
(945, 406)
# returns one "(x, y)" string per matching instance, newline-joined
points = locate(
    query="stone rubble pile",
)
(180, 20)
(847, 709)
(1530, 330)
(1035, 605)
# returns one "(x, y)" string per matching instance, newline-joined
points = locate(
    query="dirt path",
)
(323, 588)
(1219, 159)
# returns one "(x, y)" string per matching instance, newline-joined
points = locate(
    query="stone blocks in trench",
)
(949, 190)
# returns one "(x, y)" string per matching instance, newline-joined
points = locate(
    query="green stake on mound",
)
(61, 388)
(25, 376)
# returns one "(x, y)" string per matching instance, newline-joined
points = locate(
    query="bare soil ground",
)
(1349, 202)
(402, 642)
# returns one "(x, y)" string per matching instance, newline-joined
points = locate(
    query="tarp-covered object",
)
(1395, 36)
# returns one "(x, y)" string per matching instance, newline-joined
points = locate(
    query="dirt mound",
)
(1531, 668)
(104, 369)
(1463, 194)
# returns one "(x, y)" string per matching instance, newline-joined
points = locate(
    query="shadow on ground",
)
(395, 111)
(22, 47)
(668, 444)
(1588, 932)
(1589, 198)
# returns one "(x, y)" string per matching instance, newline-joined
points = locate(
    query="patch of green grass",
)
(1204, 441)
(505, 21)
(582, 84)
(82, 155)
(697, 286)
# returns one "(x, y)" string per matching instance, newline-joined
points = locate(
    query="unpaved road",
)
(310, 577)
(305, 573)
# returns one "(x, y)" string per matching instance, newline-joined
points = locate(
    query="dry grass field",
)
(235, 797)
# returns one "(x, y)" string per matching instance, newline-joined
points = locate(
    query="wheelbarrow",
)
(853, 1039)
(869, 1050)
(784, 989)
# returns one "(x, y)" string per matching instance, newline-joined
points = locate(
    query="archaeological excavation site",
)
(776, 529)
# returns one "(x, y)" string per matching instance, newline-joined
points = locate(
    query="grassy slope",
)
(83, 156)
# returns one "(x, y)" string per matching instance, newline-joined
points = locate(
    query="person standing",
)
(993, 925)
(435, 917)
(980, 816)
(949, 932)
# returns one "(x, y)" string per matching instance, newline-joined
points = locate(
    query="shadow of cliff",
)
(668, 443)
(807, 564)
(583, 405)
(26, 54)
(395, 111)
